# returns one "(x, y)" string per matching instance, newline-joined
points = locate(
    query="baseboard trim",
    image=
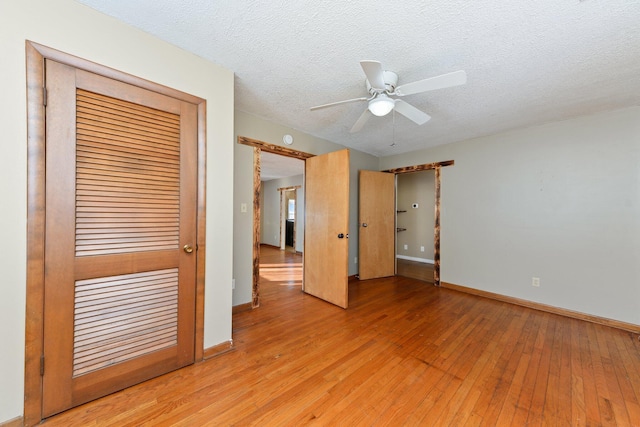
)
(352, 278)
(219, 349)
(630, 327)
(240, 308)
(15, 422)
(412, 258)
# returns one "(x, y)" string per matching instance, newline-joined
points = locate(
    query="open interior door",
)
(377, 209)
(326, 244)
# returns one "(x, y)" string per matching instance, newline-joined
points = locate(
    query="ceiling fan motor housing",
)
(390, 82)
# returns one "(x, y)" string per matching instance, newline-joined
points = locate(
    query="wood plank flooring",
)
(415, 270)
(404, 354)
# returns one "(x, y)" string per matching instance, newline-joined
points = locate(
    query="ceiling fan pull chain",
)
(393, 128)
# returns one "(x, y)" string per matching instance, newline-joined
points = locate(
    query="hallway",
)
(279, 269)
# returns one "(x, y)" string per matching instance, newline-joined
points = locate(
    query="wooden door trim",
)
(437, 166)
(282, 241)
(273, 148)
(201, 228)
(35, 236)
(257, 188)
(258, 147)
(436, 228)
(295, 187)
(36, 146)
(419, 168)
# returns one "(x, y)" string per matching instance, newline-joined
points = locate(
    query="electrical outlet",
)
(421, 248)
(355, 260)
(243, 207)
(535, 281)
(406, 247)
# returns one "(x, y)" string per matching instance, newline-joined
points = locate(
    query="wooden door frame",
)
(36, 149)
(258, 148)
(437, 167)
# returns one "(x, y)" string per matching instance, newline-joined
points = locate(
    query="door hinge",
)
(42, 365)
(44, 96)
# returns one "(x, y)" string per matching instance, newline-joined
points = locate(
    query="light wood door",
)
(326, 244)
(376, 202)
(121, 186)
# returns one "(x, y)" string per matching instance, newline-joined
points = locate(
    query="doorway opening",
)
(264, 231)
(437, 168)
(291, 219)
(415, 207)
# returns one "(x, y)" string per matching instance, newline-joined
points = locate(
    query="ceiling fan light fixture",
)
(381, 105)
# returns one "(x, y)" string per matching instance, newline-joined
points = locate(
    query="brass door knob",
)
(188, 248)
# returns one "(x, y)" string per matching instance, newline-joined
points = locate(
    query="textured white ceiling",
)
(527, 62)
(273, 166)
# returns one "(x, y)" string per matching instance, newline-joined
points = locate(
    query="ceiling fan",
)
(381, 85)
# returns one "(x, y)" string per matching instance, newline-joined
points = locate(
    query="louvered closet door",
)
(121, 177)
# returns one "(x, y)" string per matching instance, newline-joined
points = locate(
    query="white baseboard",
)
(412, 258)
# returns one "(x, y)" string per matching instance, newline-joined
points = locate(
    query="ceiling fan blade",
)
(374, 72)
(331, 104)
(439, 82)
(411, 112)
(361, 121)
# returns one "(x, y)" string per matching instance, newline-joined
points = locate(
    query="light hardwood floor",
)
(404, 353)
(415, 270)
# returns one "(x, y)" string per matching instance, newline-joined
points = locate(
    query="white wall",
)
(270, 210)
(254, 127)
(560, 202)
(73, 28)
